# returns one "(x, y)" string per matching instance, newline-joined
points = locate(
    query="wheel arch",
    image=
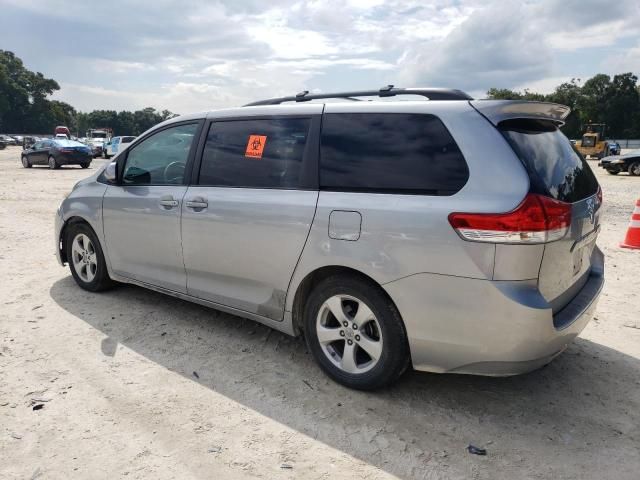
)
(74, 220)
(313, 278)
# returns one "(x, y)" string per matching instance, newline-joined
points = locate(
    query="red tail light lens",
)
(538, 219)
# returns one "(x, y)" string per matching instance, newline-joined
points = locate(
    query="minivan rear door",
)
(557, 170)
(247, 215)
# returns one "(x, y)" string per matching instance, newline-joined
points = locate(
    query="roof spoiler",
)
(497, 111)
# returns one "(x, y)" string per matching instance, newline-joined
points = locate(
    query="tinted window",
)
(554, 166)
(255, 153)
(128, 139)
(389, 152)
(161, 158)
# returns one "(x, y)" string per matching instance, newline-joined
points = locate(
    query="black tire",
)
(85, 165)
(101, 281)
(25, 162)
(395, 357)
(634, 169)
(613, 172)
(53, 164)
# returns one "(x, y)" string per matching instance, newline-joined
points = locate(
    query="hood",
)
(632, 154)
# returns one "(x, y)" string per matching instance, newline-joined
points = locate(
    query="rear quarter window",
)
(390, 153)
(555, 167)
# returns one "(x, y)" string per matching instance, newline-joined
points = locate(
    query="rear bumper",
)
(484, 327)
(74, 159)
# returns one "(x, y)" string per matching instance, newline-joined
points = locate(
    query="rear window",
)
(390, 152)
(69, 143)
(128, 139)
(555, 167)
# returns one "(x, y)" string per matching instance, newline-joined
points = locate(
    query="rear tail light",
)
(538, 219)
(599, 195)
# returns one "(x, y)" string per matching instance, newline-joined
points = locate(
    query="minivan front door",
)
(245, 223)
(141, 215)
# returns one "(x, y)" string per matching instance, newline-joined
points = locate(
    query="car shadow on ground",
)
(583, 407)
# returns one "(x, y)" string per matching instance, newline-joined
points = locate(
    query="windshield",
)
(555, 167)
(98, 135)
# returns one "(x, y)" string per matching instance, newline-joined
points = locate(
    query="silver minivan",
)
(450, 235)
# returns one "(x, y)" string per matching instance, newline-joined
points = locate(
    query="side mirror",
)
(111, 173)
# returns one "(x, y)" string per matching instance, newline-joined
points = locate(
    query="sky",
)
(188, 56)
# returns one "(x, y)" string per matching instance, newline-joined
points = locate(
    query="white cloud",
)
(194, 55)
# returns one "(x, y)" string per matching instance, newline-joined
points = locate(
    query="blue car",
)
(614, 148)
(55, 153)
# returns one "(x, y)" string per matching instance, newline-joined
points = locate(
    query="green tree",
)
(23, 104)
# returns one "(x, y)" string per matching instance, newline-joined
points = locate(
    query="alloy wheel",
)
(349, 334)
(84, 258)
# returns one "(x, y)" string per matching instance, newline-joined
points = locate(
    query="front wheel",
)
(52, 163)
(634, 169)
(86, 260)
(355, 333)
(84, 165)
(25, 162)
(613, 172)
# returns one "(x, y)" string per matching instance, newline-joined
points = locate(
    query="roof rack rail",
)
(386, 91)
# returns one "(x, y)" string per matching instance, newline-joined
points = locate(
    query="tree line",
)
(25, 108)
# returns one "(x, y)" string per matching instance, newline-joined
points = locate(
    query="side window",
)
(255, 153)
(161, 158)
(390, 152)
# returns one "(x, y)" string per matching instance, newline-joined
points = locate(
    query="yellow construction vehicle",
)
(593, 143)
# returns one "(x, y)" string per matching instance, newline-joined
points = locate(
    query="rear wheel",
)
(25, 162)
(84, 165)
(85, 257)
(613, 172)
(52, 163)
(634, 169)
(355, 333)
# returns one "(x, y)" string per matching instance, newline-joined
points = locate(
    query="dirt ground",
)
(139, 385)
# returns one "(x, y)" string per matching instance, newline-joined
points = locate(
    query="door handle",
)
(197, 203)
(168, 201)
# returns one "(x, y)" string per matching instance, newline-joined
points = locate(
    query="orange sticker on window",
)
(255, 146)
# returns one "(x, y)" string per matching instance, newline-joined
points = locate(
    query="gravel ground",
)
(136, 384)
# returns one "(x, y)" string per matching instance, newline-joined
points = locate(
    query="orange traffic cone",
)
(632, 240)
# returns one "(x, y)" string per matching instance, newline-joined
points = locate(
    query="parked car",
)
(614, 147)
(55, 153)
(629, 162)
(18, 139)
(3, 144)
(443, 234)
(61, 136)
(27, 142)
(7, 140)
(115, 145)
(96, 145)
